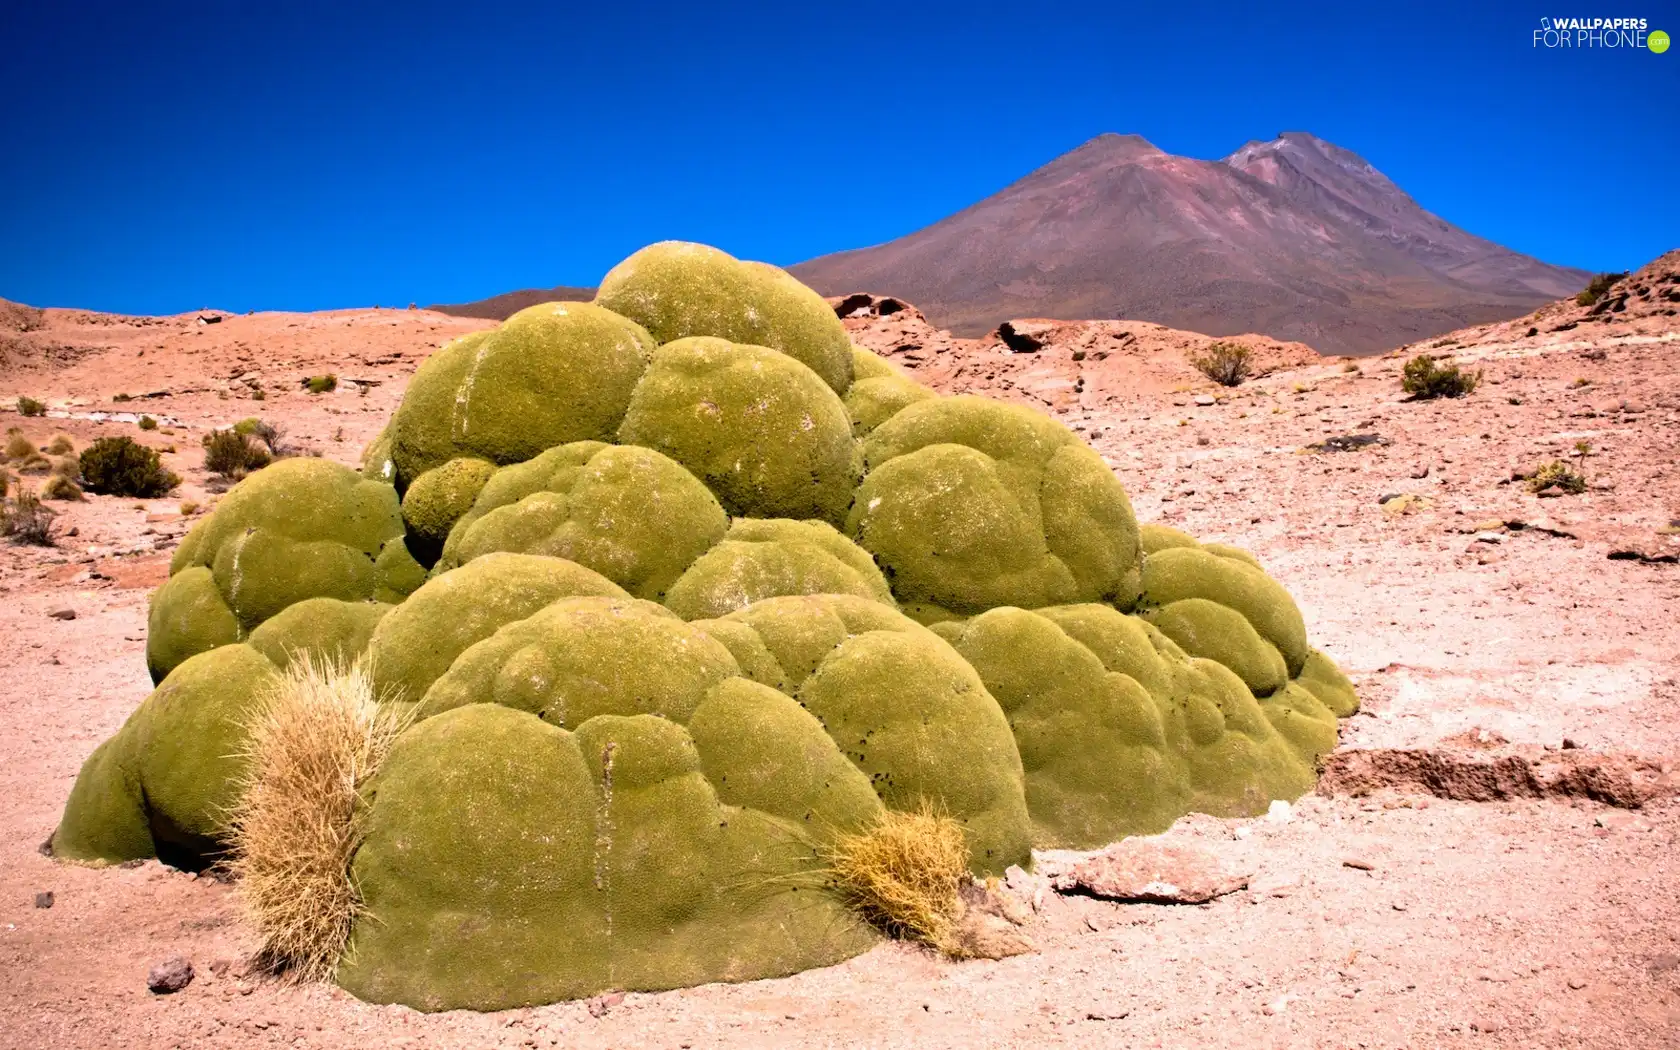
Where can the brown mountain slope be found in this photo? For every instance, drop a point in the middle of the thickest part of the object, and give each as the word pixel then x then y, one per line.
pixel 1295 238
pixel 501 307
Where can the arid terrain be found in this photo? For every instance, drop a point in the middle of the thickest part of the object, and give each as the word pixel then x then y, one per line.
pixel 1491 860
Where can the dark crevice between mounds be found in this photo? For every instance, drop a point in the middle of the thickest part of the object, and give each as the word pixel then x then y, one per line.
pixel 1624 781
pixel 183 850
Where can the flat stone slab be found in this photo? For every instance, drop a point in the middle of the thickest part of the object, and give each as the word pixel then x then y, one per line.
pixel 1146 872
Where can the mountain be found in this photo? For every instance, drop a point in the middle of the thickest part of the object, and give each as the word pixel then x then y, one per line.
pixel 1295 238
pixel 501 307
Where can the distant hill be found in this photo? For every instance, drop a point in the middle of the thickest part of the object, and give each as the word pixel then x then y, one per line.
pixel 1295 238
pixel 501 307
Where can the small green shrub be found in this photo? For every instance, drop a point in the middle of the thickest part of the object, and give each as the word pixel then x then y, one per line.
pixel 1425 378
pixel 232 454
pixel 321 384
pixel 1449 341
pixel 269 434
pixel 121 466
pixel 1558 473
pixel 1227 364
pixel 28 406
pixel 1595 289
pixel 26 520
pixel 120 398
pixel 147 423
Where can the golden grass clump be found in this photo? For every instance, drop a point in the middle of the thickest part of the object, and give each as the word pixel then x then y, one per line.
pixel 61 445
pixel 314 739
pixel 19 447
pixel 61 487
pixel 904 874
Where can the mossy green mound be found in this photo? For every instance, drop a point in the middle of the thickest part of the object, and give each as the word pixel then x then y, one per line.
pixel 1121 731
pixel 972 504
pixel 302 528
pixel 418 640
pixel 712 406
pixel 164 784
pixel 771 558
pixel 878 392
pixel 511 863
pixel 331 632
pixel 1179 573
pixel 676 289
pixel 551 374
pixel 902 705
pixel 583 657
pixel 920 601
pixel 631 514
pixel 376 462
pixel 438 498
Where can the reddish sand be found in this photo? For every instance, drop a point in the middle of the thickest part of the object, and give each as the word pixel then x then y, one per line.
pixel 1478 646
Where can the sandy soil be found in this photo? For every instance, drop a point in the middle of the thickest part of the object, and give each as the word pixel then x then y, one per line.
pixel 1514 921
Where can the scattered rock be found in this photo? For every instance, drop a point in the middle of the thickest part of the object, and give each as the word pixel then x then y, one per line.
pixel 993 898
pixel 1624 781
pixel 1119 1015
pixel 1576 984
pixel 1406 503
pixel 1550 492
pixel 1648 557
pixel 1664 963
pixel 1027 886
pixel 1205 400
pixel 169 976
pixel 601 1005
pixel 982 935
pixel 63 614
pixel 1150 872
pixel 1349 443
pixel 1358 864
pixel 44 899
pixel 1024 337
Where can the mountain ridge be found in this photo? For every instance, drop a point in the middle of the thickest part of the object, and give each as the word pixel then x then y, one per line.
pixel 1295 238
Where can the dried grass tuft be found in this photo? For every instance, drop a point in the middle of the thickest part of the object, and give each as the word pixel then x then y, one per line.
pixel 314 739
pixel 19 447
pixel 904 874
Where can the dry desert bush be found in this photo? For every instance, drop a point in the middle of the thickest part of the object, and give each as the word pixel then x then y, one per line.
pixel 1227 364
pixel 314 739
pixel 904 874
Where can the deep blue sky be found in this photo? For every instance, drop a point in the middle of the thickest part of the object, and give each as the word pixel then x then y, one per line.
pixel 302 155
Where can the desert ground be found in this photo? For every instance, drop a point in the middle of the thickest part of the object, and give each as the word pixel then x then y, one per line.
pixel 1492 858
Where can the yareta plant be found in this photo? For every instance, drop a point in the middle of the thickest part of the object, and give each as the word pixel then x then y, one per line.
pixel 677 595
